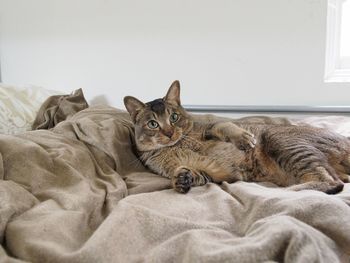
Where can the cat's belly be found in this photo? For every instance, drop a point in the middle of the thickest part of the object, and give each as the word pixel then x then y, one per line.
pixel 226 152
pixel 253 165
pixel 230 158
pixel 223 154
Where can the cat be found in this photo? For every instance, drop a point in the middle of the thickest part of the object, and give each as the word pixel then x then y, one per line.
pixel 174 144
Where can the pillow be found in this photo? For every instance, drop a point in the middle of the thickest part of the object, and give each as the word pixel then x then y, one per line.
pixel 19 106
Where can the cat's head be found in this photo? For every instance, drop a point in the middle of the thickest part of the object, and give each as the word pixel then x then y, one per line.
pixel 161 122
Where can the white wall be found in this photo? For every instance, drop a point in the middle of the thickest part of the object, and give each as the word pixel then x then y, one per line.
pixel 234 52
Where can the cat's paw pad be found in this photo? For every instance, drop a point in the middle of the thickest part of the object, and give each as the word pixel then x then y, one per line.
pixel 246 141
pixel 183 181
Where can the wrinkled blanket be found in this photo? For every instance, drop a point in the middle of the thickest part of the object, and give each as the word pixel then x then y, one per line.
pixel 77 193
pixel 58 108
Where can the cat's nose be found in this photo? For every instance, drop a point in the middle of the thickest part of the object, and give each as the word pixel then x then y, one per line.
pixel 168 133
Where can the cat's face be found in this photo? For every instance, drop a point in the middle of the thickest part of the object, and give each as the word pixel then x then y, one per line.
pixel 159 123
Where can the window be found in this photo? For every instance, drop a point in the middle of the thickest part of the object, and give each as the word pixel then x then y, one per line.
pixel 337 67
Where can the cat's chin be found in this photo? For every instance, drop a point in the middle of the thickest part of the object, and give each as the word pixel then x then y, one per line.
pixel 170 143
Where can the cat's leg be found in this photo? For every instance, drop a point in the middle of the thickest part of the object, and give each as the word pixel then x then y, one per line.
pixel 229 132
pixel 344 177
pixel 302 163
pixel 197 170
pixel 319 179
pixel 185 177
pixel 187 168
pixel 341 172
pixel 326 187
pixel 343 169
pixel 183 167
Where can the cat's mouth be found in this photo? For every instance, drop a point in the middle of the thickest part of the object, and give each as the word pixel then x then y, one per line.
pixel 167 143
pixel 171 142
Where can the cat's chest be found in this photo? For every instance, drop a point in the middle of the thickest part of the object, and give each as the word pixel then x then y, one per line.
pixel 190 143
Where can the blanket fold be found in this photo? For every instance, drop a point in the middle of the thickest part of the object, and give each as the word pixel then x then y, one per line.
pixel 78 193
pixel 57 108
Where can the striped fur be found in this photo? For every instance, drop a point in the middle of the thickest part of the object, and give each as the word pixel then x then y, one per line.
pixel 192 153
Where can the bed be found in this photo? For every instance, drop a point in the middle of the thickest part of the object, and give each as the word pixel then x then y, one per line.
pixel 73 190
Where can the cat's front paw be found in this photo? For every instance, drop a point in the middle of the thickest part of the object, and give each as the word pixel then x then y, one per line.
pixel 230 132
pixel 245 141
pixel 182 181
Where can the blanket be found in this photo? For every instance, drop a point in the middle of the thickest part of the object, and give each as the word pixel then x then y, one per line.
pixel 78 193
pixel 58 108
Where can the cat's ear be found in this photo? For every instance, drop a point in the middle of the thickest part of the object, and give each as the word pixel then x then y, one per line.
pixel 133 106
pixel 173 94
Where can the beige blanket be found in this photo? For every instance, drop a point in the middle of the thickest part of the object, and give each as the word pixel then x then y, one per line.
pixel 77 193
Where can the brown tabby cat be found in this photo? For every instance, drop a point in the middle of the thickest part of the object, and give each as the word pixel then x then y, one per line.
pixel 192 153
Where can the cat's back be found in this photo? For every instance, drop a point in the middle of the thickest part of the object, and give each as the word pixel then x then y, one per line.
pixel 305 132
pixel 289 137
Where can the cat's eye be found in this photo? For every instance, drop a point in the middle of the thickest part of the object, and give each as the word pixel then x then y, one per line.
pixel 152 124
pixel 174 117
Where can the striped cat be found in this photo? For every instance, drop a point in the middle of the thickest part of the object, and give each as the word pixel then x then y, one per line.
pixel 173 144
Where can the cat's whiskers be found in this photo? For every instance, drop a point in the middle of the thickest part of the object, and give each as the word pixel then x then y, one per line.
pixel 135 161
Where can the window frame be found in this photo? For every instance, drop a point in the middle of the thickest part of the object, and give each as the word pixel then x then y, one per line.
pixel 334 70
